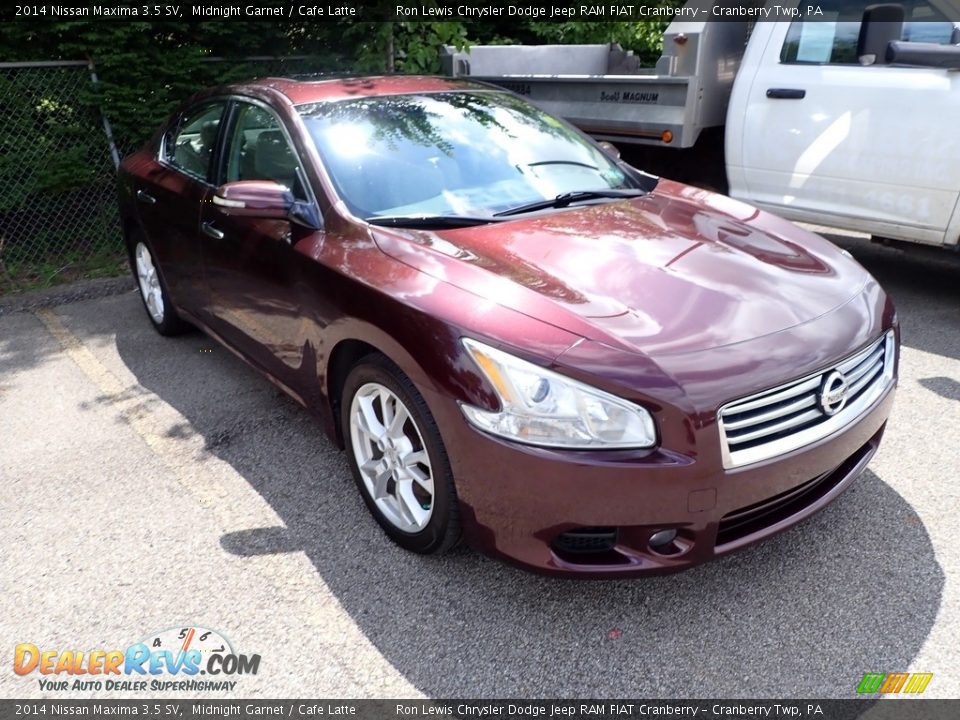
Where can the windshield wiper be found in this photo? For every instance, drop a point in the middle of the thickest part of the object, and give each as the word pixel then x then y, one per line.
pixel 564 199
pixel 429 221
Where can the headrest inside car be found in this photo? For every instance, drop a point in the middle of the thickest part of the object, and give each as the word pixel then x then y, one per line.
pixel 273 158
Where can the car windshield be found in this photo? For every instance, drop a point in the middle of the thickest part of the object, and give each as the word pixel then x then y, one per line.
pixel 453 154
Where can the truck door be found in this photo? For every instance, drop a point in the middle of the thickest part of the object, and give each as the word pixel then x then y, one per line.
pixel 814 135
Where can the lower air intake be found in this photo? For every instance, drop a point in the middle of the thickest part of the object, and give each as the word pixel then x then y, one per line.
pixel 586 541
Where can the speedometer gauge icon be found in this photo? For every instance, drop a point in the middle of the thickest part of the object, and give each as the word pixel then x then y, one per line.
pixel 186 638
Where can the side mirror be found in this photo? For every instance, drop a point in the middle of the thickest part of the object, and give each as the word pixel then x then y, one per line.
pixel 881 24
pixel 945 57
pixel 263 199
pixel 610 149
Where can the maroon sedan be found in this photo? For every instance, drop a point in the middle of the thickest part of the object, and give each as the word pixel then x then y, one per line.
pixel 517 338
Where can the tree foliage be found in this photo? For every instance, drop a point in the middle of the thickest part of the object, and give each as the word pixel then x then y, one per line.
pixel 53 154
pixel 145 68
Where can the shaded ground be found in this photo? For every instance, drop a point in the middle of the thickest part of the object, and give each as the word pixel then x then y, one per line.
pixel 150 483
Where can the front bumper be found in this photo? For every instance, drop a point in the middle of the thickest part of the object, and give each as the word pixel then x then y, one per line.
pixel 553 511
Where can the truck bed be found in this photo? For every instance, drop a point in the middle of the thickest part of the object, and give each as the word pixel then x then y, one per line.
pixel 604 90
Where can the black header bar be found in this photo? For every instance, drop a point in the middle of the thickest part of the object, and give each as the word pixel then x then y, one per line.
pixel 422 11
pixel 192 709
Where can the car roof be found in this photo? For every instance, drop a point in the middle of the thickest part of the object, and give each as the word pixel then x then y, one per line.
pixel 326 89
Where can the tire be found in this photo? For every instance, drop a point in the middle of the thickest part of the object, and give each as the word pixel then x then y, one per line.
pixel 153 291
pixel 390 461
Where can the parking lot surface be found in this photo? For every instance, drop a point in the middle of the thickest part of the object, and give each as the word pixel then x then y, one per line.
pixel 149 483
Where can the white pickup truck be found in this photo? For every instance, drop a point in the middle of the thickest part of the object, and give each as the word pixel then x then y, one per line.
pixel 848 118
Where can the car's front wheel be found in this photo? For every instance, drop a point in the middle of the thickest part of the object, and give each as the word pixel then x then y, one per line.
pixel 153 292
pixel 397 457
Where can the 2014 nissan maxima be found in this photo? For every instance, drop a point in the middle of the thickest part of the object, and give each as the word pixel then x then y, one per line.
pixel 518 339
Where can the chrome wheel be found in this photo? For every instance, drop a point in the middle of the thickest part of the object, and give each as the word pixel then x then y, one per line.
pixel 391 456
pixel 149 282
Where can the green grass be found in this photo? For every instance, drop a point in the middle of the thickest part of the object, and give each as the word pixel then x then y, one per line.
pixel 20 277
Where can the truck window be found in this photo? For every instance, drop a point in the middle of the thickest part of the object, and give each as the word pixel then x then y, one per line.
pixel 831 38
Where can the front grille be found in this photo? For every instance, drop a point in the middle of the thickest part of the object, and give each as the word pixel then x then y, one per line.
pixel 790 416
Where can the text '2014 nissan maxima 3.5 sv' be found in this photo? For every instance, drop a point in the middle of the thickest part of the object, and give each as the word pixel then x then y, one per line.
pixel 517 338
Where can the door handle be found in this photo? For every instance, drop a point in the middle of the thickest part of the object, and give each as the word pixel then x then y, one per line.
pixel 786 93
pixel 209 229
pixel 146 197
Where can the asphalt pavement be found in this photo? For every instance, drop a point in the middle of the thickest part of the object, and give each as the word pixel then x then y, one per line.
pixel 149 483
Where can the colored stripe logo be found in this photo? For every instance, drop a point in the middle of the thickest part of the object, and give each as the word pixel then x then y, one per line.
pixel 899 682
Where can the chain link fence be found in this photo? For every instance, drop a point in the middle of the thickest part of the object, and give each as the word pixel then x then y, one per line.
pixel 51 217
pixel 58 206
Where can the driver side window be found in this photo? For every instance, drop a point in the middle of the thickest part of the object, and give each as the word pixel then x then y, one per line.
pixel 831 38
pixel 259 150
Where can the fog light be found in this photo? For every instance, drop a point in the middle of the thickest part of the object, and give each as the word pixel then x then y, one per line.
pixel 662 538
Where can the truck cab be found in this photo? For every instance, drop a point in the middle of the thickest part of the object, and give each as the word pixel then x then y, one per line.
pixel 840 113
pixel 826 126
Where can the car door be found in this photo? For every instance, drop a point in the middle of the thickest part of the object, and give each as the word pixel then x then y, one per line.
pixel 252 269
pixel 170 193
pixel 827 139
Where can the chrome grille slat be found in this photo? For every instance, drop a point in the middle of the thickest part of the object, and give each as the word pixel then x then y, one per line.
pixel 860 368
pixel 781 419
pixel 804 402
pixel 849 364
pixel 862 381
pixel 790 392
pixel 776 427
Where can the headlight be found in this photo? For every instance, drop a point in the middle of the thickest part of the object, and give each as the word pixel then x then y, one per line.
pixel 540 407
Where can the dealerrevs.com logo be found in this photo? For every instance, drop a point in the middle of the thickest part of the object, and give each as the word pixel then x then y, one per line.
pixel 170 660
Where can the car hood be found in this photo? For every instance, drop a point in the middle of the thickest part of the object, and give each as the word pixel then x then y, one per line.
pixel 678 270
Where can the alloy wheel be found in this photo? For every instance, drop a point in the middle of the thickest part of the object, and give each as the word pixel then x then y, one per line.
pixel 149 282
pixel 392 458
